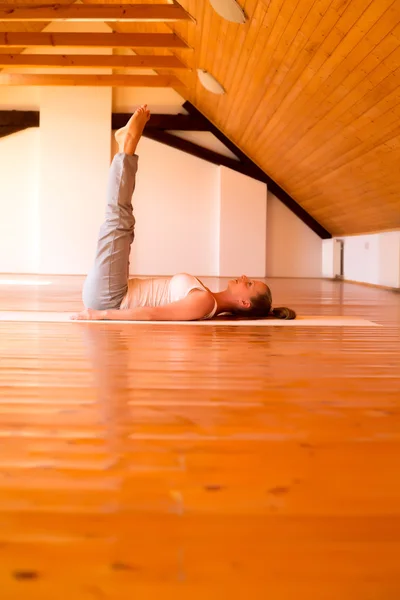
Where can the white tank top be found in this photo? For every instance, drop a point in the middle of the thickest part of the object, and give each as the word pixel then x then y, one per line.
pixel 159 291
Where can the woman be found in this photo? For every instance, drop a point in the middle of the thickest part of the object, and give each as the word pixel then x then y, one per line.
pixel 109 294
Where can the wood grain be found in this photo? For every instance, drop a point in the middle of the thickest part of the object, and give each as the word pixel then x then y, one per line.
pixel 313 90
pixel 95 12
pixel 90 80
pixel 93 61
pixel 91 40
pixel 312 98
pixel 175 462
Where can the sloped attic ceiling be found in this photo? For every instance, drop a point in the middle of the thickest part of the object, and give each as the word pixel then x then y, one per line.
pixel 313 90
pixel 312 97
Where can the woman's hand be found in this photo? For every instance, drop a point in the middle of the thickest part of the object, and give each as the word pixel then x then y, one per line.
pixel 89 314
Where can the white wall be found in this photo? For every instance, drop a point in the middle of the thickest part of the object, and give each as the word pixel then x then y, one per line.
pixel 159 100
pixel 389 259
pixel 191 215
pixel 183 205
pixel 19 223
pixel 293 249
pixel 373 258
pixel 176 209
pixel 331 258
pixel 65 168
pixel 243 225
pixel 52 183
pixel 328 250
pixel 74 157
pixel 19 97
pixel 206 140
pixel 58 203
pixel 62 191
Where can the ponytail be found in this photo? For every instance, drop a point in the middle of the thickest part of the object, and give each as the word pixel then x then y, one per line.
pixel 261 309
pixel 283 313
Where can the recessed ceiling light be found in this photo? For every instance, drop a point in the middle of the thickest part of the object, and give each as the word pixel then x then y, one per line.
pixel 229 10
pixel 209 82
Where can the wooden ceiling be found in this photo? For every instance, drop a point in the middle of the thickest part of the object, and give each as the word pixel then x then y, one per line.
pixel 312 96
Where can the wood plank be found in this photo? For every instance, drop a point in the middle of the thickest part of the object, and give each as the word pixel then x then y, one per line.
pixel 232 46
pixel 150 464
pixel 93 61
pixel 331 32
pixel 95 12
pixel 245 60
pixel 385 124
pixel 91 40
pixel 331 74
pixel 361 120
pixel 288 55
pixel 91 80
pixel 344 53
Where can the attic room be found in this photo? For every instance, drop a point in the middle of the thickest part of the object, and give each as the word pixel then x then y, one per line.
pixel 199 299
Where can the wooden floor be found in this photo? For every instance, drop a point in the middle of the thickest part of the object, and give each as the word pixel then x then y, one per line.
pixel 167 463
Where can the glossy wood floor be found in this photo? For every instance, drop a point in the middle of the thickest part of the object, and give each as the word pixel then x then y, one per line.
pixel 148 463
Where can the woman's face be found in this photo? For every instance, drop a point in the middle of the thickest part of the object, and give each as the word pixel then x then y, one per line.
pixel 243 288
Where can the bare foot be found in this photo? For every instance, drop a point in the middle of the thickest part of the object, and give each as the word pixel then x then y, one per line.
pixel 128 137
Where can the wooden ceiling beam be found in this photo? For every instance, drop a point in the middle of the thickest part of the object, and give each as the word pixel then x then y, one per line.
pixel 95 12
pixel 91 80
pixel 17 118
pixel 194 112
pixel 12 121
pixel 190 148
pixel 90 61
pixel 31 118
pixel 91 40
pixel 163 122
pixel 5 130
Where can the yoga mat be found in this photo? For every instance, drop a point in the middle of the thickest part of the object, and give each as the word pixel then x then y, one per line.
pixel 300 321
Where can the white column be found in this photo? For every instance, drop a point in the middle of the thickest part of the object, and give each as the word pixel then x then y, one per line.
pixel 75 152
pixel 389 259
pixel 331 258
pixel 242 224
pixel 75 125
pixel 293 249
pixel 19 238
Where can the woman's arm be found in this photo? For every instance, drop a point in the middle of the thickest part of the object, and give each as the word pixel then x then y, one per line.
pixel 195 306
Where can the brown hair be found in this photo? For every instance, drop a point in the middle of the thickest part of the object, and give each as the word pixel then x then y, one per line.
pixel 261 308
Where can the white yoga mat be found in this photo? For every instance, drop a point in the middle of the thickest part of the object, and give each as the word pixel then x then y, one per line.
pixel 300 321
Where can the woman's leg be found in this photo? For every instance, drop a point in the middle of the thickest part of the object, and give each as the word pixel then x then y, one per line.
pixel 107 281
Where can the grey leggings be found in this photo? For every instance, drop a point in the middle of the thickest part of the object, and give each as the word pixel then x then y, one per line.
pixel 107 281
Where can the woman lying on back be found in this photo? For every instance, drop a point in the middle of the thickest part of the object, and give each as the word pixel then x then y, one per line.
pixel 109 294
